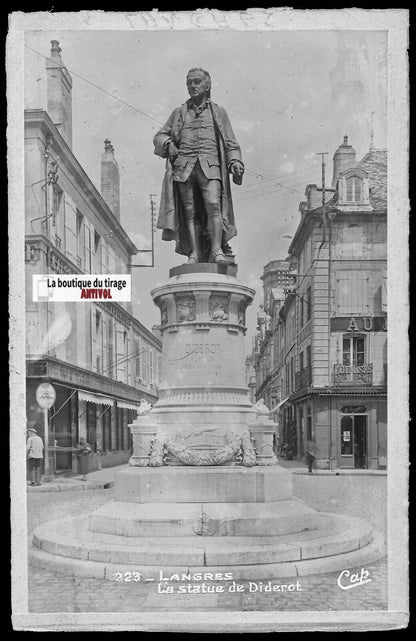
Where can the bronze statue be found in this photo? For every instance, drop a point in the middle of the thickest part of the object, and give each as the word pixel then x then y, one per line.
pixel 196 208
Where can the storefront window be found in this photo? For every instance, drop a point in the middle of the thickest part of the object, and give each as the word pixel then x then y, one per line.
pixel 119 429
pixel 106 421
pixel 92 425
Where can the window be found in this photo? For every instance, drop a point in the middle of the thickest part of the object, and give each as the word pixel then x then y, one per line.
pixel 144 365
pixel 354 189
pixel 71 241
pixel 128 357
pixel 301 310
pixel 120 353
pixel 106 421
pixel 98 342
pixel 301 361
pixel 308 304
pixel 292 375
pixel 308 356
pixel 110 349
pixel 119 429
pixel 351 292
pixel 159 369
pixel 97 253
pixel 92 425
pixel 80 240
pixel 309 423
pixel 137 372
pixel 353 350
pixel 151 379
pixel 57 215
pixel 346 435
pixel 104 258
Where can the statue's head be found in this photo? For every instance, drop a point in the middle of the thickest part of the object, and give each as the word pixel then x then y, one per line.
pixel 198 82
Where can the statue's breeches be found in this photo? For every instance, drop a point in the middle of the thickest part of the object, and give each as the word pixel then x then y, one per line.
pixel 210 191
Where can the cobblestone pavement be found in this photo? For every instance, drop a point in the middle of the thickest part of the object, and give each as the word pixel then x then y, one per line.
pixel 56 592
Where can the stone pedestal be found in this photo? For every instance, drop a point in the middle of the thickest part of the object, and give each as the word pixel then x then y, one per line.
pixel 203 415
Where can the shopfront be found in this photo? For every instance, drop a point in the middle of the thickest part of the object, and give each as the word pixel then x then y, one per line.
pixel 350 432
pixel 354 439
pixel 101 419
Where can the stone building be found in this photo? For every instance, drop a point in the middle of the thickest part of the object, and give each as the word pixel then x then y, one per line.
pixel 100 359
pixel 329 337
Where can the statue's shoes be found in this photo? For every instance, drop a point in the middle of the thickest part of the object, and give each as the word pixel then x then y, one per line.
pixel 219 257
pixel 193 258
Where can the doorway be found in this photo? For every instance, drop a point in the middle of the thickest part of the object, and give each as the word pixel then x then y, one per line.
pixel 354 441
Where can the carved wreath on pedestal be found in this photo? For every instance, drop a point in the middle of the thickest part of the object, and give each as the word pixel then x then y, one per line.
pixel 239 449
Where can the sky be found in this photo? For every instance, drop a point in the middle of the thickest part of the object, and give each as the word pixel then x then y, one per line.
pixel 289 95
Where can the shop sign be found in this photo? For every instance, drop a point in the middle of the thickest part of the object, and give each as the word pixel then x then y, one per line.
pixel 359 324
pixel 45 395
pixel 346 436
pixel 353 409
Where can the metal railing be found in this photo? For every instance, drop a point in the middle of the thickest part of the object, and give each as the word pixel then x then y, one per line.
pixel 303 378
pixel 353 374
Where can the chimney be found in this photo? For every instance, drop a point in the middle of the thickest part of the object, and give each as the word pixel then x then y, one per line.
pixel 110 178
pixel 344 158
pixel 59 93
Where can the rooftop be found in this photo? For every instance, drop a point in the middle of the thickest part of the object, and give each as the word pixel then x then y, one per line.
pixel 375 164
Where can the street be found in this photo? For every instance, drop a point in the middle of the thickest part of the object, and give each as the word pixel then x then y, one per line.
pixel 56 592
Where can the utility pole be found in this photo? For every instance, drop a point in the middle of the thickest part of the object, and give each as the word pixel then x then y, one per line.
pixel 324 220
pixel 152 230
pixel 153 221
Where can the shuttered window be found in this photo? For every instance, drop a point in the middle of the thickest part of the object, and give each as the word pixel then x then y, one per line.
pixel 384 291
pixel 110 349
pixel 70 229
pixel 351 292
pixel 144 361
pixel 159 369
pixel 137 371
pixel 120 354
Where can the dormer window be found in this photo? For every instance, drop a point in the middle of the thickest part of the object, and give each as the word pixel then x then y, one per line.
pixel 354 189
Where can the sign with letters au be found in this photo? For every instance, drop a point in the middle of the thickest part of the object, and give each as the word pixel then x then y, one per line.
pixel 359 324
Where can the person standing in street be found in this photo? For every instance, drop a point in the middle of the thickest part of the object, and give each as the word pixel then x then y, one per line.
pixel 310 453
pixel 34 454
pixel 83 454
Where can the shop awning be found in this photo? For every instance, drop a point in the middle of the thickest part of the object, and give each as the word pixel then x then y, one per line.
pixel 128 405
pixel 95 398
pixel 279 405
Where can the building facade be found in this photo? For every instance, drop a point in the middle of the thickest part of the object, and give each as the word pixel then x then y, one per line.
pixel 100 359
pixel 330 334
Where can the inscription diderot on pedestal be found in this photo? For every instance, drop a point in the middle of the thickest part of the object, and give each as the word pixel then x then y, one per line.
pixel 202 358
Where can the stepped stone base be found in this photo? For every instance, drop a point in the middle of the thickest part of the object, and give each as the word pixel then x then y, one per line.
pixel 254 529
pixel 210 484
